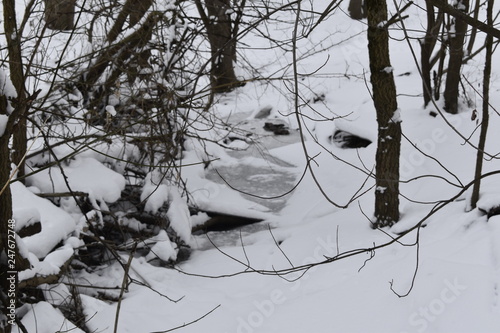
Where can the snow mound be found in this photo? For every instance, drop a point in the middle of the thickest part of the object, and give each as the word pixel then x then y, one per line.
pixel 178 215
pixel 25 217
pixel 51 265
pixel 154 193
pixel 43 318
pixel 163 249
pixel 56 223
pixel 83 174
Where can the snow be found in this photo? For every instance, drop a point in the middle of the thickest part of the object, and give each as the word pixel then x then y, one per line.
pixel 154 193
pixel 43 318
pixel 3 123
pixel 7 89
pixel 110 109
pixel 85 175
pixel 50 265
pixel 178 215
pixel 56 223
pixel 388 69
pixel 163 248
pixel 25 217
pixel 396 117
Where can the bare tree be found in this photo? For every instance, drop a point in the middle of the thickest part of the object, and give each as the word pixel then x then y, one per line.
pixel 457 33
pixel 389 127
pixel 427 45
pixel 13 107
pixel 486 116
pixel 17 76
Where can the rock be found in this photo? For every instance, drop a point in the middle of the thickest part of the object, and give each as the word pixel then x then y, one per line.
pixel 277 129
pixel 343 139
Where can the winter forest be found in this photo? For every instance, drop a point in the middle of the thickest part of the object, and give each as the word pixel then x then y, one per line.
pixel 249 166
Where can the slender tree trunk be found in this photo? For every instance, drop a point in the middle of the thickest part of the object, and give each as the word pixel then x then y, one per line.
pixel 389 127
pixel 5 215
pixel 17 77
pixel 473 32
pixel 427 46
pixel 438 75
pixel 486 115
pixel 457 33
pixel 217 21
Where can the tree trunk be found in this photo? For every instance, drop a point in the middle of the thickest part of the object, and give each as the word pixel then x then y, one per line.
pixel 486 115
pixel 456 42
pixel 389 127
pixel 17 262
pixel 5 215
pixel 357 9
pixel 473 32
pixel 427 46
pixel 17 77
pixel 60 14
pixel 220 32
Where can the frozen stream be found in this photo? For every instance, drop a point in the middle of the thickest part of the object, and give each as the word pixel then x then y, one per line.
pixel 260 174
pixel 266 183
pixel 261 183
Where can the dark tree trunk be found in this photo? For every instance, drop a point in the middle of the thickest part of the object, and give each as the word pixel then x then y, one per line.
pixel 357 9
pixel 438 75
pixel 427 46
pixel 389 127
pixel 60 14
pixel 17 262
pixel 473 32
pixel 486 115
pixel 17 77
pixel 5 216
pixel 456 44
pixel 221 34
pixel 20 145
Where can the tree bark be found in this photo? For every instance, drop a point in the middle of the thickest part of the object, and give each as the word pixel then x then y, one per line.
pixel 60 14
pixel 473 32
pixel 5 216
pixel 17 77
pixel 427 46
pixel 486 116
pixel 389 127
pixel 456 38
pixel 357 9
pixel 222 39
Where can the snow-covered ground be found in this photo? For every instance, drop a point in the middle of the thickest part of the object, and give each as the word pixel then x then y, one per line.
pixel 443 277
